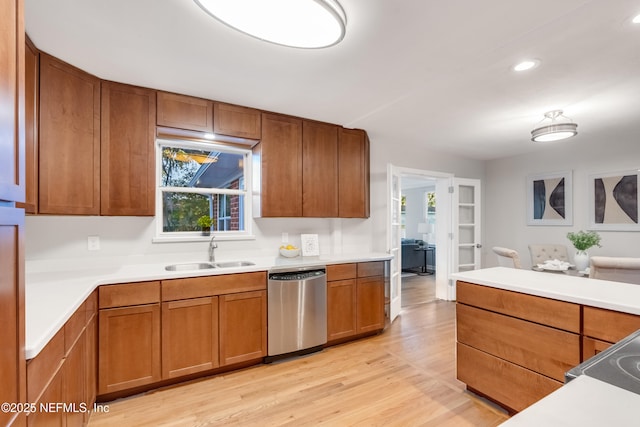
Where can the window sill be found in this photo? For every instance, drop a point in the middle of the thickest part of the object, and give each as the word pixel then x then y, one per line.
pixel 200 238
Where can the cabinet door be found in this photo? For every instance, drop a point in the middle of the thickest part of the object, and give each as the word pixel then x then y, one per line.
pixel 353 174
pixel 32 64
pixel 320 166
pixel 12 105
pixel 54 393
pixel 75 381
pixel 69 139
pixel 128 163
pixel 341 309
pixel 237 121
pixel 243 327
pixel 91 363
pixel 370 305
pixel 189 336
pixel 185 112
pixel 12 363
pixel 280 153
pixel 128 347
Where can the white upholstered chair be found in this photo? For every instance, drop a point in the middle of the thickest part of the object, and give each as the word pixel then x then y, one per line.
pixel 507 257
pixel 542 253
pixel 617 269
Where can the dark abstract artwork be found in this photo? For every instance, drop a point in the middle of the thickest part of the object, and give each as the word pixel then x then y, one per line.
pixel 615 200
pixel 549 199
pixel 553 206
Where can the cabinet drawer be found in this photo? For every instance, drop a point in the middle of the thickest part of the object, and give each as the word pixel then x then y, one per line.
pixel 74 327
pixel 591 347
pixel 129 294
pixel 366 269
pixel 607 325
pixel 557 314
pixel 341 272
pixel 196 287
pixel 510 385
pixel 545 350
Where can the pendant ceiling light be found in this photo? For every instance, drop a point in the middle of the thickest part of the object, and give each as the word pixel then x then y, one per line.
pixel 296 23
pixel 554 127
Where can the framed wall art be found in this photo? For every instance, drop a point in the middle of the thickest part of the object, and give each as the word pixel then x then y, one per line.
pixel 613 201
pixel 549 199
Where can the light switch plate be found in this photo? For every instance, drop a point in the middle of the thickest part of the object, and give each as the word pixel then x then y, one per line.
pixel 93 243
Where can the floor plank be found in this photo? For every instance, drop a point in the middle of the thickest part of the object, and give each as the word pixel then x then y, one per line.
pixel 404 376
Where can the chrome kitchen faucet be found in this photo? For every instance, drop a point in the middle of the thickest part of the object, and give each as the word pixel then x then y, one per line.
pixel 212 247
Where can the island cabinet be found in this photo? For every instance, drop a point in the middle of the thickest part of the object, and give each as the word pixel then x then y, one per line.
pixel 602 328
pixel 514 348
pixel 128 336
pixel 127 183
pixel 64 373
pixel 184 112
pixel 69 139
pixel 355 300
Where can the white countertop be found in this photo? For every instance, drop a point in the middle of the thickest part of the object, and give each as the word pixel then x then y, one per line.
pixel 584 402
pixel 623 297
pixel 53 296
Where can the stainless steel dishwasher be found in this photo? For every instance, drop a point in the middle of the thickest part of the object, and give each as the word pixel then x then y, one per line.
pixel 297 311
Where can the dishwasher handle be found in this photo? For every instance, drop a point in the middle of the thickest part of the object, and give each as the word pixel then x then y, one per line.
pixel 297 275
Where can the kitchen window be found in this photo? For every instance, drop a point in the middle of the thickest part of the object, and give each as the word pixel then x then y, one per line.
pixel 198 179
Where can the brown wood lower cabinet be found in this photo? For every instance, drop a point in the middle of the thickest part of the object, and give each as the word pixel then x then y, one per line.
pixel 355 299
pixel 129 347
pixel 511 385
pixel 243 327
pixel 514 348
pixel 189 336
pixel 64 373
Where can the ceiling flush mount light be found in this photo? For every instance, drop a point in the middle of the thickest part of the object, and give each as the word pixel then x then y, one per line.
pixel 296 23
pixel 636 19
pixel 526 65
pixel 554 127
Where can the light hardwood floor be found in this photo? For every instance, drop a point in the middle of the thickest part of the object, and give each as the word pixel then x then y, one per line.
pixel 404 376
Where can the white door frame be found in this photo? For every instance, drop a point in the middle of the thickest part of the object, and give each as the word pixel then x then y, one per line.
pixel 444 251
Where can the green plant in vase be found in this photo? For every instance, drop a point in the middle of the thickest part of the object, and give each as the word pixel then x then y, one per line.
pixel 582 241
pixel 205 223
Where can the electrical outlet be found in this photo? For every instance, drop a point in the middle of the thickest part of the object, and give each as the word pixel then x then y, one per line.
pixel 285 237
pixel 93 243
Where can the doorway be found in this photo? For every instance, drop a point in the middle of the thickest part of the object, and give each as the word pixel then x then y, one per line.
pixel 409 220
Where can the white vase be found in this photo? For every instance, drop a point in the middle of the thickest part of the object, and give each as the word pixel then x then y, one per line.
pixel 581 259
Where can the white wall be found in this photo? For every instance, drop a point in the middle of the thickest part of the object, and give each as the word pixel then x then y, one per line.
pixel 128 239
pixel 505 194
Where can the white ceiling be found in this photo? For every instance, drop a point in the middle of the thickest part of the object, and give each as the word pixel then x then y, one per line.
pixel 434 74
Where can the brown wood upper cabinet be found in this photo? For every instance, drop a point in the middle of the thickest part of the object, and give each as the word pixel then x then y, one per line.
pixel 237 121
pixel 32 65
pixel 128 138
pixel 311 169
pixel 320 169
pixel 69 141
pixel 185 112
pixel 353 173
pixel 280 169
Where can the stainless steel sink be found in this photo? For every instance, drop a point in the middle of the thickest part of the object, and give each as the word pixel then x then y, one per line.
pixel 230 264
pixel 190 266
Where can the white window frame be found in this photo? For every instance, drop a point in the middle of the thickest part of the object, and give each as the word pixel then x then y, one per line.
pixel 196 236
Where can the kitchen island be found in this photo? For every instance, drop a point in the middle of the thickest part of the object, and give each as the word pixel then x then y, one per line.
pixel 519 331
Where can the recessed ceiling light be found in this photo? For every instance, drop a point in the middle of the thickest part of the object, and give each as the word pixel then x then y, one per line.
pixel 526 65
pixel 296 23
pixel 636 20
